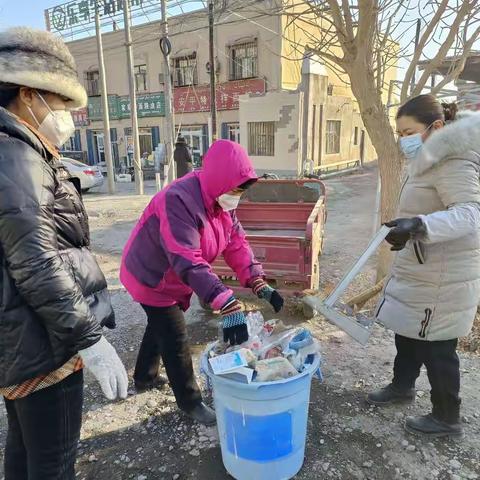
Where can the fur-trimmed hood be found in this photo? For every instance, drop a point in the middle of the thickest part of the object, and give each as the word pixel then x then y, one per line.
pixel 40 60
pixel 457 138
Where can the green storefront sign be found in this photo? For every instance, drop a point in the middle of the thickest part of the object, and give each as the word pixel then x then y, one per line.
pixel 149 105
pixel 95 110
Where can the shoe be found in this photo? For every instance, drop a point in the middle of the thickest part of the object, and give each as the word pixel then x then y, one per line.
pixel 391 395
pixel 429 426
pixel 159 383
pixel 203 414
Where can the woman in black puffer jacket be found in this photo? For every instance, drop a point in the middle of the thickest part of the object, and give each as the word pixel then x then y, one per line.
pixel 54 298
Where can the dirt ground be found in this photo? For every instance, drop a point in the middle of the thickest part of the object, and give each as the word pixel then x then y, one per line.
pixel 146 438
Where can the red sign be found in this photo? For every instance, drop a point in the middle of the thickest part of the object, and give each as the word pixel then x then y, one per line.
pixel 80 117
pixel 197 98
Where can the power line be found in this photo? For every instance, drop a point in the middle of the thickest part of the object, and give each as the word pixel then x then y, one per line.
pixel 151 36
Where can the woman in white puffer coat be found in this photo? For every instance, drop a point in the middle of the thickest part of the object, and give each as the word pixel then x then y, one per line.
pixel 431 296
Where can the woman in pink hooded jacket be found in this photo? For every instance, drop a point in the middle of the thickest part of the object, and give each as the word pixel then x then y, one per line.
pixel 168 257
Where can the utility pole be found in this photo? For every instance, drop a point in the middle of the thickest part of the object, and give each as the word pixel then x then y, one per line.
pixel 107 142
pixel 213 100
pixel 133 101
pixel 166 48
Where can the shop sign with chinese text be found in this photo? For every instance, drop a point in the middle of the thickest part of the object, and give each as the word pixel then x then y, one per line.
pixel 80 117
pixel 149 105
pixel 197 98
pixel 81 13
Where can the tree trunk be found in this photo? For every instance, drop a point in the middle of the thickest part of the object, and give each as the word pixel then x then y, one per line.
pixel 377 124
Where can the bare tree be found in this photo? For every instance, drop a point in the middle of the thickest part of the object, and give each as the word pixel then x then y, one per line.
pixel 364 38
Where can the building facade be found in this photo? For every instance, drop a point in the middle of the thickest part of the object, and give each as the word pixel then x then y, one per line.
pixel 252 72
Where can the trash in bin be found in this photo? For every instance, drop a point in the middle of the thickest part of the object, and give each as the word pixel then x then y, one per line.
pixel 234 365
pixel 272 369
pixel 272 352
pixel 300 348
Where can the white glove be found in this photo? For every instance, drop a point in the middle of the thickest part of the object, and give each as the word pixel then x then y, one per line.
pixel 104 363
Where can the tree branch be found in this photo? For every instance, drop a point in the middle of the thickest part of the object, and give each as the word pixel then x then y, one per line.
pixel 367 27
pixel 424 38
pixel 444 49
pixel 348 20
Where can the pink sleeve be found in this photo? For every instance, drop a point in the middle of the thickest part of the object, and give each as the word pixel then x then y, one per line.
pixel 239 255
pixel 180 238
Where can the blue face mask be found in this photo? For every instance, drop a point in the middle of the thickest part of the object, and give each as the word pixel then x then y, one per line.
pixel 411 145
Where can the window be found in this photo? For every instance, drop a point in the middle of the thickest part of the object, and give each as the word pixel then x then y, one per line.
pixel 330 90
pixel 145 142
pixel 355 136
pixel 69 145
pixel 261 139
pixel 73 144
pixel 92 80
pixel 243 61
pixel 233 132
pixel 185 71
pixel 140 78
pixel 333 137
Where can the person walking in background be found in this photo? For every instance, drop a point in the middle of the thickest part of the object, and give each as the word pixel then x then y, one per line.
pixel 182 157
pixel 431 296
pixel 169 256
pixel 54 295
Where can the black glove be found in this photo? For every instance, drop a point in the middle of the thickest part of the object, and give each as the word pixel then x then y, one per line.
pixel 263 290
pixel 403 230
pixel 235 335
pixel 276 301
pixel 235 329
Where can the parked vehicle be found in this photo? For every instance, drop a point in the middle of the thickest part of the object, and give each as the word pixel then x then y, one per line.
pixel 89 176
pixel 102 166
pixel 284 221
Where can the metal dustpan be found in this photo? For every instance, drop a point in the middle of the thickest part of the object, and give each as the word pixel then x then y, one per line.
pixel 359 326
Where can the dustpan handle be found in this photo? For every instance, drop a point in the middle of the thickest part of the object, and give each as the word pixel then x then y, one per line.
pixel 357 267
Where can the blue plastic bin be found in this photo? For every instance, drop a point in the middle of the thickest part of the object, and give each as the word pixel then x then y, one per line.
pixel 262 426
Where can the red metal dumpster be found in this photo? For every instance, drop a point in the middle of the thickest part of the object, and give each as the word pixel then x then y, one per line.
pixel 284 221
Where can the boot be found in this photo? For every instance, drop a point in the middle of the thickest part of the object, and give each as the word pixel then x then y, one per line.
pixel 158 382
pixel 203 414
pixel 391 395
pixel 429 426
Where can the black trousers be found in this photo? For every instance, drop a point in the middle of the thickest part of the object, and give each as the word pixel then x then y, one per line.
pixel 43 432
pixel 166 338
pixel 443 370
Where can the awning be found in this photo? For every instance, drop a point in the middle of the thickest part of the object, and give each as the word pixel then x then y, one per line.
pixel 184 52
pixel 241 40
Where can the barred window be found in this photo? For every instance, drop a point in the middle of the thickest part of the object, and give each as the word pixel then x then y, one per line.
pixel 185 71
pixel 333 136
pixel 92 80
pixel 140 78
pixel 243 61
pixel 261 139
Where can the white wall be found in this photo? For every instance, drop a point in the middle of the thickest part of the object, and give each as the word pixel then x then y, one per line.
pixel 285 108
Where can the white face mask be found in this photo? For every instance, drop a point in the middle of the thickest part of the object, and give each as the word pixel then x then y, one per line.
pixel 57 126
pixel 228 202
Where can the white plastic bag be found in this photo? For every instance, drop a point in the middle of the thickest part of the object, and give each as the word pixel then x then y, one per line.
pixel 279 340
pixel 255 323
pixel 273 369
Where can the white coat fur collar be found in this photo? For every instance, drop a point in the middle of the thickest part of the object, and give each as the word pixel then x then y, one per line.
pixel 456 138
